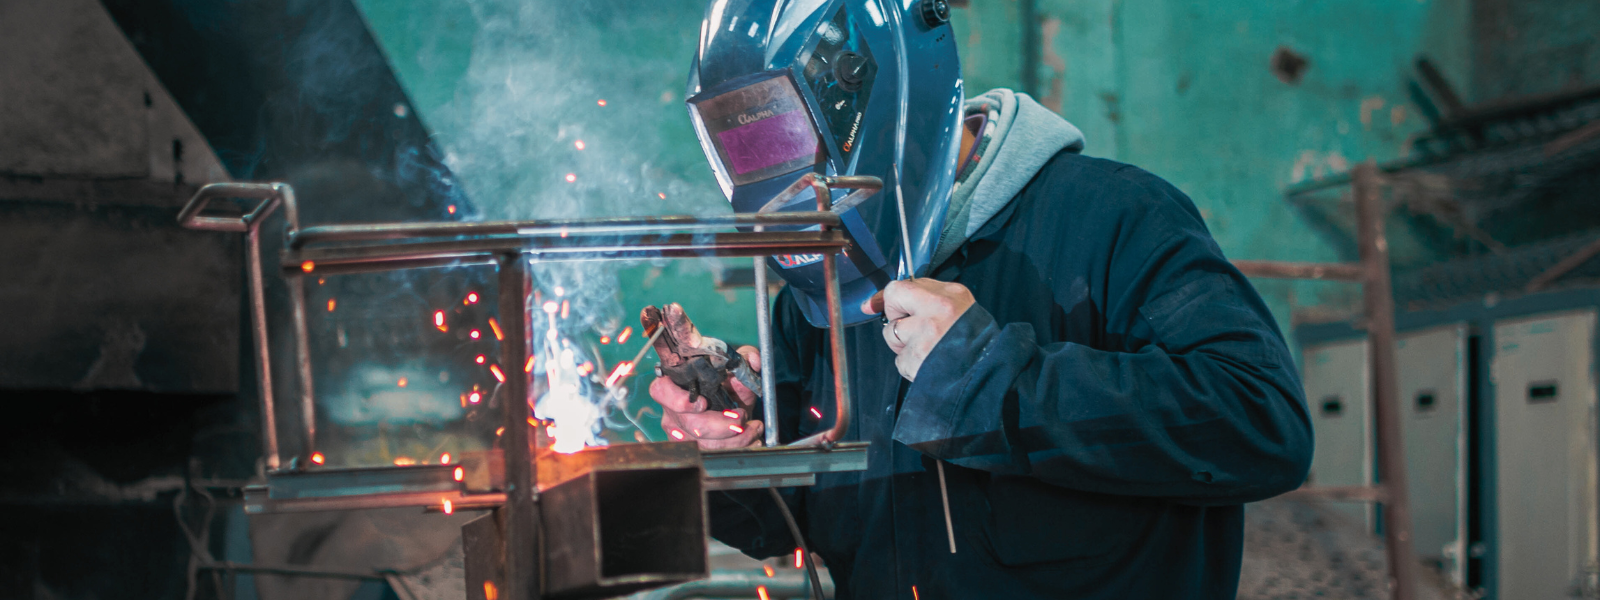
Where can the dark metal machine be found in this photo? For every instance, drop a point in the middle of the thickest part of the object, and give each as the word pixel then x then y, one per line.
pixel 600 522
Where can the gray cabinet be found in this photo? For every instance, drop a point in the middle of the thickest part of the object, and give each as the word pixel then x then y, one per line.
pixel 1544 432
pixel 1432 373
pixel 1337 387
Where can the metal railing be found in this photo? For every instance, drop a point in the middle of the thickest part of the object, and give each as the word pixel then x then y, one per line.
pixel 1378 299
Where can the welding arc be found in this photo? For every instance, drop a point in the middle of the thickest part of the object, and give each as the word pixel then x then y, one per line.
pixel 794 530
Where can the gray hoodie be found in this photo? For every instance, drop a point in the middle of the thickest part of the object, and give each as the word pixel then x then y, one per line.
pixel 1026 135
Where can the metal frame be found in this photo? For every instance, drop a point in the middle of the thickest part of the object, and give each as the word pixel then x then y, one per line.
pixel 1373 274
pixel 391 246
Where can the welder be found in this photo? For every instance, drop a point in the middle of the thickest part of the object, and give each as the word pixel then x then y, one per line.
pixel 1069 393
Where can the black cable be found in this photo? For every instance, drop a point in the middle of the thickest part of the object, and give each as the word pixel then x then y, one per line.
pixel 794 530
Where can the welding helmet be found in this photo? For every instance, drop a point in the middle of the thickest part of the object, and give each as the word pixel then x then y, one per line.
pixel 782 88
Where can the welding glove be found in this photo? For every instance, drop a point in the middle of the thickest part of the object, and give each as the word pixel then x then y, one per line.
pixel 687 415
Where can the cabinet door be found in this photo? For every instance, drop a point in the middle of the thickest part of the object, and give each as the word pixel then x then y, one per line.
pixel 1432 388
pixel 1341 420
pixel 1544 394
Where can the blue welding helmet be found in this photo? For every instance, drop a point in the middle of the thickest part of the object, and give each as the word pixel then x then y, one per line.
pixel 781 88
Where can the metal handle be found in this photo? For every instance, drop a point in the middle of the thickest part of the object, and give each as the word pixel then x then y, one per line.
pixel 271 194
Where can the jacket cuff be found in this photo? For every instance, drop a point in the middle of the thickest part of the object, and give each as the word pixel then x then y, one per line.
pixel 928 416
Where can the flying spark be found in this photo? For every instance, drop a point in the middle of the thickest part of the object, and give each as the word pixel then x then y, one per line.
pixel 444 459
pixel 497 374
pixel 578 144
pixel 761 591
pixel 661 195
pixel 622 338
pixel 474 334
pixel 571 177
pixel 799 558
pixel 561 291
pixel 448 508
pixel 472 298
pixel 730 414
pixel 460 473
pixel 318 458
pixel 602 102
pixel 332 303
pixel 550 307
pixel 490 592
pixel 736 428
pixel 565 309
pixel 451 208
pixel 474 397
pixel 495 327
pixel 768 569
pixel 816 413
pixel 404 462
pixel 308 266
pixel 528 368
pixel 480 359
pixel 677 435
pixel 402 382
pixel 605 339
pixel 438 320
pixel 622 370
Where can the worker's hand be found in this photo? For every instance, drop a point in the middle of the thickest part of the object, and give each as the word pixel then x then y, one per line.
pixel 919 311
pixel 686 418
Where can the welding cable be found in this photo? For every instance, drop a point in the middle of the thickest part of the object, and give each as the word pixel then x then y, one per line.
pixel 794 530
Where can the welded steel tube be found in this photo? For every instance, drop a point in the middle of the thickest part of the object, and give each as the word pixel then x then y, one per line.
pixel 769 385
pixel 302 361
pixel 680 245
pixel 1379 301
pixel 560 228
pixel 1273 269
pixel 521 533
pixel 841 359
pixel 258 328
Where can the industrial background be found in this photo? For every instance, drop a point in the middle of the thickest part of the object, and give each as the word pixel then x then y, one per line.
pixel 128 365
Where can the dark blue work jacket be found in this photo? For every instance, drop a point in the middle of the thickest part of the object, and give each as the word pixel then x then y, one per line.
pixel 1115 396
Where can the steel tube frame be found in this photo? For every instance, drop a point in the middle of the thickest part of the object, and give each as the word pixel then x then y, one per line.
pixel 560 228
pixel 1379 301
pixel 1378 304
pixel 271 195
pixel 521 532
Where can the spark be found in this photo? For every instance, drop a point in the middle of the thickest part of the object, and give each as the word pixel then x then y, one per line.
pixel 550 307
pixel 761 591
pixel 602 102
pixel 571 177
pixel 460 474
pixel 402 382
pixel 661 195
pixel 474 397
pixel 474 334
pixel 605 339
pixel 914 595
pixel 799 558
pixel 444 459
pixel 480 358
pixel 438 320
pixel 768 569
pixel 579 144
pixel 677 435
pixel 565 309
pixel 404 462
pixel 497 374
pixel 472 298
pixel 816 413
pixel 561 291
pixel 332 302
pixel 490 592
pixel 563 231
pixel 622 370
pixel 495 327
pixel 528 368
pixel 318 458
pixel 451 208
pixel 322 280
pixel 586 368
pixel 736 428
pixel 730 414
pixel 448 508
pixel 308 266
pixel 622 338
pixel 499 430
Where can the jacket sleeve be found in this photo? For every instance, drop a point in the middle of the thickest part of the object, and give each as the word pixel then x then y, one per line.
pixel 1208 411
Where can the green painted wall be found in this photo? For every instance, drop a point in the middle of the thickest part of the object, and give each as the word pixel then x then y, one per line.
pixel 1184 90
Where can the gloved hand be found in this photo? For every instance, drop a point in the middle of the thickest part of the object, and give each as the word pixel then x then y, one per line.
pixel 690 418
